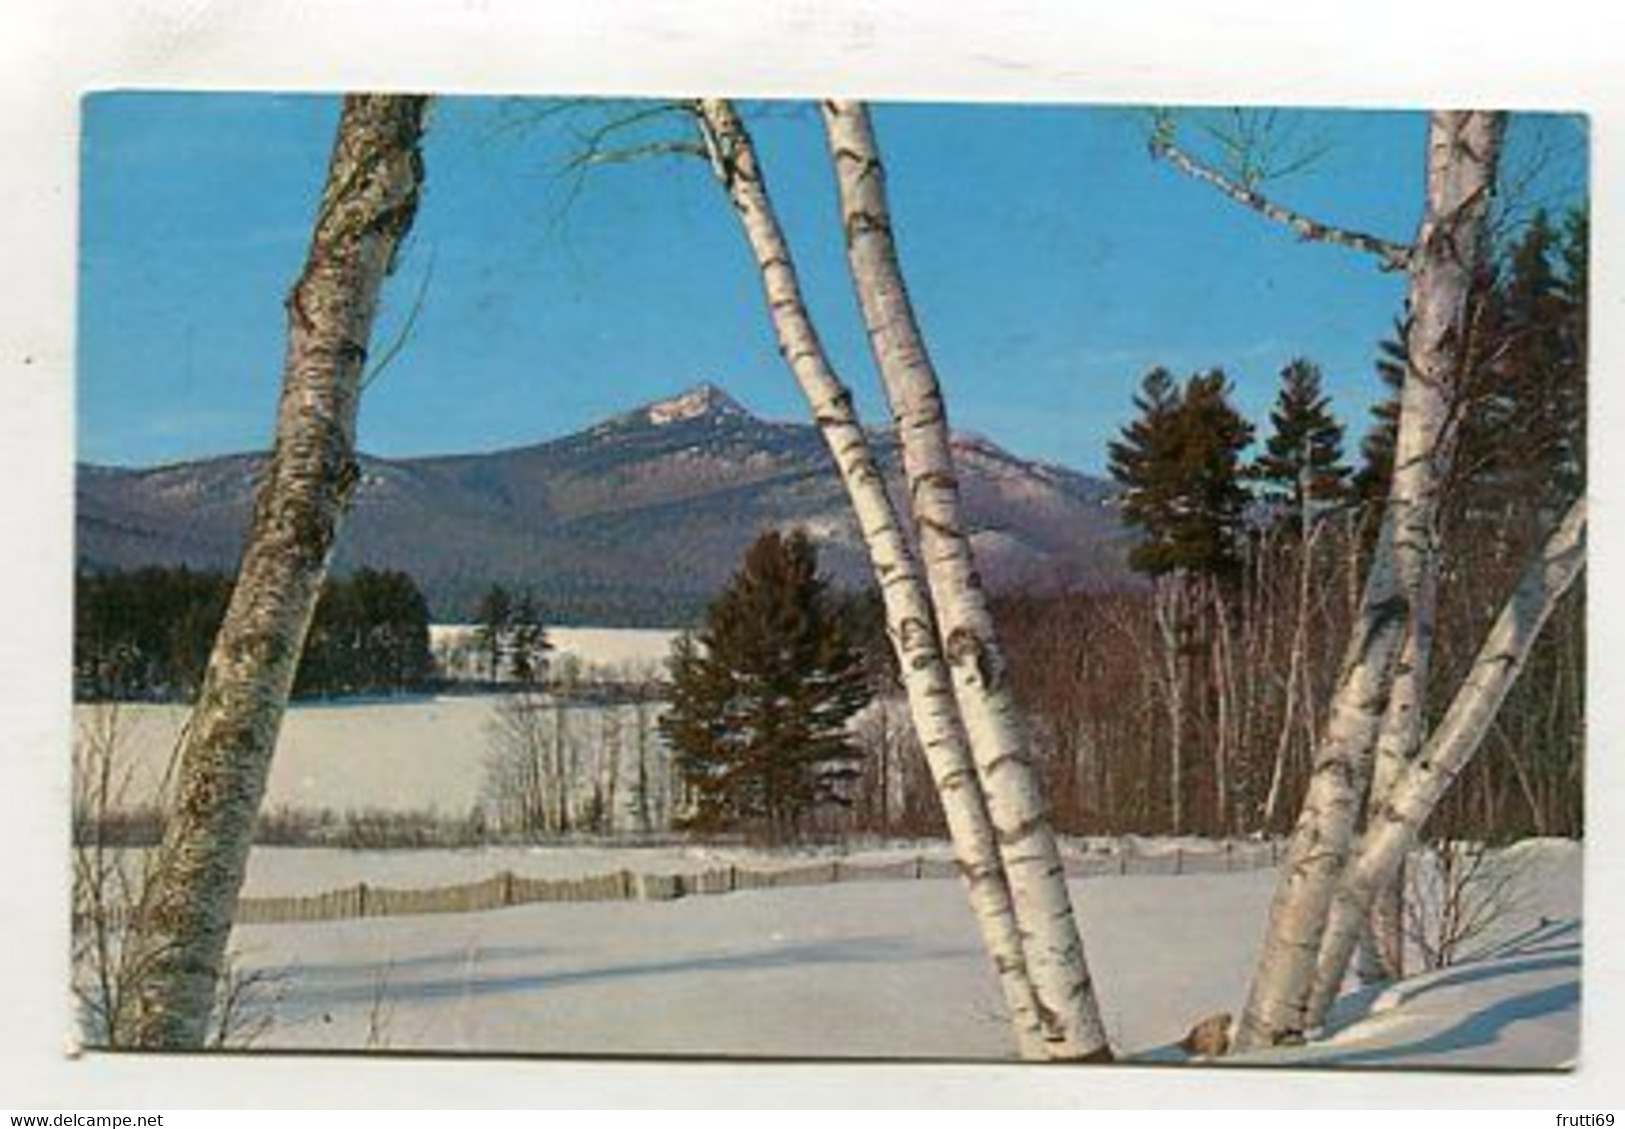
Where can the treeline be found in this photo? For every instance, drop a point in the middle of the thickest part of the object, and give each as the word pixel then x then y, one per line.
pixel 1192 703
pixel 146 634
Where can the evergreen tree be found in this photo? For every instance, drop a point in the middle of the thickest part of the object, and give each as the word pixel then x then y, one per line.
pixel 492 619
pixel 1302 467
pixel 1523 430
pixel 1180 466
pixel 528 644
pixel 1522 436
pixel 761 697
pixel 1377 447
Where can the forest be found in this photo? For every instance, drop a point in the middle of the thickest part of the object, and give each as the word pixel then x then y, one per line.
pixel 144 635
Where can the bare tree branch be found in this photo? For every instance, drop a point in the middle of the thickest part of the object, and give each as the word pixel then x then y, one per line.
pixel 1393 256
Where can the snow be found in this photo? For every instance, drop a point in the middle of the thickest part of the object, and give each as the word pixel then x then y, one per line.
pixel 622 652
pixel 279 871
pixel 414 754
pixel 861 970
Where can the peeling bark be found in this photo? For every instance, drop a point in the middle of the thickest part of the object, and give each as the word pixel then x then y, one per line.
pixel 1068 1011
pixel 909 615
pixel 367 207
pixel 1395 826
pixel 1462 157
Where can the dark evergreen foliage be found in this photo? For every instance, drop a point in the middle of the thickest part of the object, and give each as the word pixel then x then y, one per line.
pixel 370 635
pixel 147 634
pixel 1180 466
pixel 492 620
pixel 1301 471
pixel 511 638
pixel 761 697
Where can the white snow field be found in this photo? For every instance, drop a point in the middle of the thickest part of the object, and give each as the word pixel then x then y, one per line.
pixel 883 970
pixel 407 754
pixel 404 754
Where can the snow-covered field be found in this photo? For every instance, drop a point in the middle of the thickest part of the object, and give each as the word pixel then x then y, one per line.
pixel 867 970
pixel 419 754
pixel 407 754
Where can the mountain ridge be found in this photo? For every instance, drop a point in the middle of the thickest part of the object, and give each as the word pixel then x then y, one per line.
pixel 635 520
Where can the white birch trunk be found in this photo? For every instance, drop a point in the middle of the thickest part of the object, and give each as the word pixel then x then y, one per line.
pixel 909 616
pixel 367 207
pixel 1394 827
pixel 1463 152
pixel 1397 742
pixel 1056 965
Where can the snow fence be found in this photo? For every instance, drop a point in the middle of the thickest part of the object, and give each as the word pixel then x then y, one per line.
pixel 510 889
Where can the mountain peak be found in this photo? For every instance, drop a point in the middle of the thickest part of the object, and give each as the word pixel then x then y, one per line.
pixel 704 399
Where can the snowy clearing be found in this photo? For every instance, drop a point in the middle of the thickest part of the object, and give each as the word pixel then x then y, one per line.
pixel 874 970
pixel 406 754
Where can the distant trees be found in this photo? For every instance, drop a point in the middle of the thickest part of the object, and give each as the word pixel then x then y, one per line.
pixel 146 634
pixel 370 635
pixel 761 696
pixel 510 637
pixel 491 620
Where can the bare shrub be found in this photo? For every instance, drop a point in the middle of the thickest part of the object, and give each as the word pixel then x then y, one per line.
pixel 1457 895
pixel 116 832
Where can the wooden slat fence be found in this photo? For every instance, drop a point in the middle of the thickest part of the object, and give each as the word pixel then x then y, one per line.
pixel 510 889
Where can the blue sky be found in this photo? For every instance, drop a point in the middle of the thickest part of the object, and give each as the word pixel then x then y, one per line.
pixel 1052 262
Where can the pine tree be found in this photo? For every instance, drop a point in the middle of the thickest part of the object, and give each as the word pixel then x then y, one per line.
pixel 1143 461
pixel 492 619
pixel 1523 429
pixel 1377 447
pixel 528 644
pixel 1302 467
pixel 1180 466
pixel 761 697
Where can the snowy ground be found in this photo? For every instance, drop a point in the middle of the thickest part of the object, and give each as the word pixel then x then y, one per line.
pixel 408 754
pixel 870 970
pixel 418 754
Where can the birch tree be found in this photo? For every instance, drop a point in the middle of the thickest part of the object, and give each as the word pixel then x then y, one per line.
pixel 1397 824
pixel 909 614
pixel 1398 739
pixel 1462 156
pixel 1056 964
pixel 367 207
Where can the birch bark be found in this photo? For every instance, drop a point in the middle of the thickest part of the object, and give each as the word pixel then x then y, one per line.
pixel 1397 742
pixel 1462 157
pixel 909 616
pixel 1394 827
pixel 367 207
pixel 1059 972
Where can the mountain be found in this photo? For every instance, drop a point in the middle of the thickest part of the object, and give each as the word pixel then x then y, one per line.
pixel 637 520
